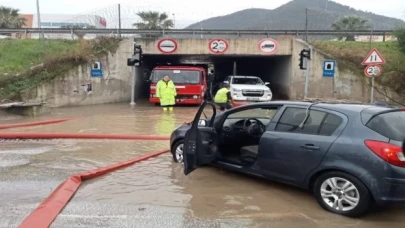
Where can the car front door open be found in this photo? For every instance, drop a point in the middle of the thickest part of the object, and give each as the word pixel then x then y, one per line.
pixel 200 143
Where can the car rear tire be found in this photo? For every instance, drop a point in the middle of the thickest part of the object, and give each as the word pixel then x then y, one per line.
pixel 342 193
pixel 177 151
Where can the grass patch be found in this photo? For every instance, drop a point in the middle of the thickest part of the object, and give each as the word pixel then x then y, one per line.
pixel 59 58
pixel 17 56
pixel 353 53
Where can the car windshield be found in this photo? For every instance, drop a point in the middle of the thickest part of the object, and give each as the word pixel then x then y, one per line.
pixel 390 125
pixel 247 81
pixel 177 76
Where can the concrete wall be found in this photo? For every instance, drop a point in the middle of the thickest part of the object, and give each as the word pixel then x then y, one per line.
pixel 237 46
pixel 345 85
pixel 67 89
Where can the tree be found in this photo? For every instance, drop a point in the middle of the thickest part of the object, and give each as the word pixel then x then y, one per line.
pixel 79 34
pixel 154 20
pixel 10 18
pixel 350 23
pixel 400 35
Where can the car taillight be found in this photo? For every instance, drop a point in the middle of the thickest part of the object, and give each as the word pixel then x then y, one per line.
pixel 391 153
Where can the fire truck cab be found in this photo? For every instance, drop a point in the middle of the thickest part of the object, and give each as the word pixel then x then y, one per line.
pixel 190 82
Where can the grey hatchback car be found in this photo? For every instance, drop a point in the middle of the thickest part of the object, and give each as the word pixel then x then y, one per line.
pixel 348 155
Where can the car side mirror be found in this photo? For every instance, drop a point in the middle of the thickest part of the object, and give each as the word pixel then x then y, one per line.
pixel 267 83
pixel 202 123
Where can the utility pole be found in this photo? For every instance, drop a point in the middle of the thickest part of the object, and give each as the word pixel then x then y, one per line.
pixel 119 20
pixel 174 21
pixel 134 69
pixel 40 35
pixel 306 24
pixel 307 72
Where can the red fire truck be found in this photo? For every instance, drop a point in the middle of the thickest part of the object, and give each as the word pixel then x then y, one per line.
pixel 190 82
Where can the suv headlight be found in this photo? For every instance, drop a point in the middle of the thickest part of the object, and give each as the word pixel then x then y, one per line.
pixel 236 90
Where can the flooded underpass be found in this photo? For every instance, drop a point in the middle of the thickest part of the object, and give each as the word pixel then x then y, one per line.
pixel 153 193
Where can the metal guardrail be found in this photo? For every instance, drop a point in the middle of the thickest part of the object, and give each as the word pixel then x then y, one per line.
pixel 197 32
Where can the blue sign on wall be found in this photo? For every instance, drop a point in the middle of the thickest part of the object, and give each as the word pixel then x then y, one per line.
pixel 329 68
pixel 96 69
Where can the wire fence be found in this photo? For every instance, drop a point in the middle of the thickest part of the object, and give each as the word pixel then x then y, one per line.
pixel 119 20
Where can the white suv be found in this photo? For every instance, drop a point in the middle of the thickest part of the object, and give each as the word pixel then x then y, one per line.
pixel 248 88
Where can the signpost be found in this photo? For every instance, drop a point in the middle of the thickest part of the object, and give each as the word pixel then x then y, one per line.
pixel 218 46
pixel 167 46
pixel 96 69
pixel 329 68
pixel 373 69
pixel 268 46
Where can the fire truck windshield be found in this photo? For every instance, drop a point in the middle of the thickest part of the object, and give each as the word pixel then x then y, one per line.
pixel 177 76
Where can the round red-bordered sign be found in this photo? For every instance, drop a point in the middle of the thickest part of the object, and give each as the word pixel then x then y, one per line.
pixel 268 46
pixel 167 45
pixel 373 70
pixel 218 46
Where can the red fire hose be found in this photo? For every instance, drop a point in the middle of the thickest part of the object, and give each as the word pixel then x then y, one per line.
pixel 51 135
pixel 29 124
pixel 48 210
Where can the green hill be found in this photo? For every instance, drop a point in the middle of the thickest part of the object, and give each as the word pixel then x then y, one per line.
pixel 321 14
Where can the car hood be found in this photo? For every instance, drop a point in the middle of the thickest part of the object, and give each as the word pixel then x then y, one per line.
pixel 261 87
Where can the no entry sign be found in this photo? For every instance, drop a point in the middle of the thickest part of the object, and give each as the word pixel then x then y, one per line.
pixel 167 46
pixel 218 46
pixel 268 46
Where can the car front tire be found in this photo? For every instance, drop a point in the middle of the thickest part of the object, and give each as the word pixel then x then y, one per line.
pixel 177 151
pixel 343 194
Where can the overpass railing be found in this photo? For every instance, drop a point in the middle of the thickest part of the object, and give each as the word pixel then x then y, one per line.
pixel 198 32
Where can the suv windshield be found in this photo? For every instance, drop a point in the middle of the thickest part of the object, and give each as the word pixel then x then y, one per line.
pixel 390 125
pixel 247 81
pixel 177 76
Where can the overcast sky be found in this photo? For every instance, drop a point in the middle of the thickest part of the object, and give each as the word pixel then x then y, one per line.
pixel 185 11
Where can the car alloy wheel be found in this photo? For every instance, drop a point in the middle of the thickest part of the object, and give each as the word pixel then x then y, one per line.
pixel 340 194
pixel 178 153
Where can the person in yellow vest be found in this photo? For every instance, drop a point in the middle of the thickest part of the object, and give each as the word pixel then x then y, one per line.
pixel 223 98
pixel 166 92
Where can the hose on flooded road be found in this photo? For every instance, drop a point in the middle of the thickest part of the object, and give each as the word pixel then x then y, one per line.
pixel 51 135
pixel 49 209
pixel 36 123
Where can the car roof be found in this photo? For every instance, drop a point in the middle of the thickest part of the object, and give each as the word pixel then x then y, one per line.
pixel 343 108
pixel 242 76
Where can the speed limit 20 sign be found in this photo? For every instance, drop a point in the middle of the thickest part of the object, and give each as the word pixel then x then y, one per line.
pixel 218 46
pixel 373 70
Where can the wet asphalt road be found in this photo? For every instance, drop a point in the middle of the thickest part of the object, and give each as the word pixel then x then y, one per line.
pixel 153 193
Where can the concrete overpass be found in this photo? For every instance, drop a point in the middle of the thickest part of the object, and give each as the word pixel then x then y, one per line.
pixel 277 65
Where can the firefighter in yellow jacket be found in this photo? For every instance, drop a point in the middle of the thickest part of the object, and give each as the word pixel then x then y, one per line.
pixel 223 98
pixel 166 92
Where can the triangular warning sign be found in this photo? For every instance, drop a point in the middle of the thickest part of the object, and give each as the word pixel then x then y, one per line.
pixel 374 57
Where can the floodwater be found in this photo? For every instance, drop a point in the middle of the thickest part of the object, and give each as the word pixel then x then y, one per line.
pixel 153 193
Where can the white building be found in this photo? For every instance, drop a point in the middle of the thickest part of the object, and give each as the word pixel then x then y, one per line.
pixel 66 20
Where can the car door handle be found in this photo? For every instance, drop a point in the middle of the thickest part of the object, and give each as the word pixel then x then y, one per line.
pixel 310 147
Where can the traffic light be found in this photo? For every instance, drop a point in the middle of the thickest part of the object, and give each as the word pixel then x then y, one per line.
pixel 304 54
pixel 136 59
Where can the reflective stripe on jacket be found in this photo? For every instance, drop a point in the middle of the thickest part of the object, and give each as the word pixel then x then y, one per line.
pixel 166 92
pixel 221 96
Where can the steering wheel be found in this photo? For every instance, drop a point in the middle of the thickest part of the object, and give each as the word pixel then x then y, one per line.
pixel 256 127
